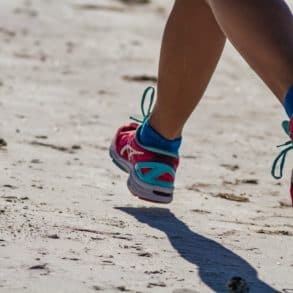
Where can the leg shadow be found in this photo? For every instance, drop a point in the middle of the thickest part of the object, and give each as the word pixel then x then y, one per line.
pixel 216 264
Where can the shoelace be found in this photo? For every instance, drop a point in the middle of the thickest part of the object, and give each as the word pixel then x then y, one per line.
pixel 281 158
pixel 149 91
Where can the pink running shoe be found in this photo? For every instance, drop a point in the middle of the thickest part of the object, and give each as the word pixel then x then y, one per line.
pixel 151 171
pixel 281 158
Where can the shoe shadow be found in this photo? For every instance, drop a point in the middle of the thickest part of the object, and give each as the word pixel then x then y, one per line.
pixel 216 264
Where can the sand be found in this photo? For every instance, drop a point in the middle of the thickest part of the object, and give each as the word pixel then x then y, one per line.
pixel 70 75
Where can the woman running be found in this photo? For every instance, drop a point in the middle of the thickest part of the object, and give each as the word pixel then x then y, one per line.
pixel 193 42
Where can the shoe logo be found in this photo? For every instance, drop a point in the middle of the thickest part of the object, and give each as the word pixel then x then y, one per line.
pixel 130 151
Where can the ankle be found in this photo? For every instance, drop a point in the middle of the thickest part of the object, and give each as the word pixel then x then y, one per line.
pixel 164 127
pixel 149 137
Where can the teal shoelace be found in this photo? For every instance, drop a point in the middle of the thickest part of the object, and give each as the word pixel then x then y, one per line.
pixel 281 158
pixel 149 92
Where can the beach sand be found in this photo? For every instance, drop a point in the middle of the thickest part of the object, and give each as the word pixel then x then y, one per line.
pixel 71 73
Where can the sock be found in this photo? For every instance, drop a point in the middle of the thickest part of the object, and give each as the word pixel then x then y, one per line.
pixel 288 102
pixel 148 136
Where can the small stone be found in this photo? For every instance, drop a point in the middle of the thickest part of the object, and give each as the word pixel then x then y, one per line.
pixel 237 285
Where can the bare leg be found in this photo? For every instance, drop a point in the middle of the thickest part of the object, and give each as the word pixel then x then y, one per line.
pixel 192 45
pixel 262 31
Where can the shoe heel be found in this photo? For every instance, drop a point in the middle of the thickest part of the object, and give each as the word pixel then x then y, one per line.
pixel 119 166
pixel 115 159
pixel 148 192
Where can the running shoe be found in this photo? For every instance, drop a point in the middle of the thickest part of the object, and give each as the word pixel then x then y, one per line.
pixel 281 158
pixel 151 170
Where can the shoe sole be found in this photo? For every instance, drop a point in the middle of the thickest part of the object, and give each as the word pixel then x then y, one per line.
pixel 136 186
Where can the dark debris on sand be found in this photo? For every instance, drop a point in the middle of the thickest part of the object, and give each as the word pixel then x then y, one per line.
pixel 140 78
pixel 233 197
pixel 3 143
pixel 135 1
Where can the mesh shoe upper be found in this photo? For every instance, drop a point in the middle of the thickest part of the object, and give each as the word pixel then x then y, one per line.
pixel 153 166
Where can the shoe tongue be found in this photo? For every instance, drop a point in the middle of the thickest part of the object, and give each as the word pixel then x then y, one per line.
pixel 288 127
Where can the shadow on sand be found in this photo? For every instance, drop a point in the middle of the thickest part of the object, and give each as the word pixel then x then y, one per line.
pixel 216 264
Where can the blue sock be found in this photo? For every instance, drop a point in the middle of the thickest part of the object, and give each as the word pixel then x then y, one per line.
pixel 288 102
pixel 148 136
